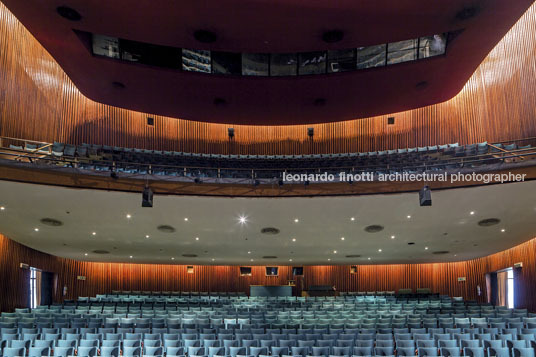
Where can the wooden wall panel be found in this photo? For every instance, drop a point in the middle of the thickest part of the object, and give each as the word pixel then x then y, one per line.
pixel 39 102
pixel 105 277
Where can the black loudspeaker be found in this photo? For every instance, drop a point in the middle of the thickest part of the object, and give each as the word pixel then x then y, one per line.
pixel 147 197
pixel 391 121
pixel 425 196
pixel 311 132
pixel 230 132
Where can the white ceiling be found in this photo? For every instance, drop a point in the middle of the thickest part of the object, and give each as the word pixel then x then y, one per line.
pixel 445 226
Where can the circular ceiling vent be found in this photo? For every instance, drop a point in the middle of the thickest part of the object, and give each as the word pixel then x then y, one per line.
pixel 100 251
pixel 441 252
pixel 269 257
pixel 166 229
pixel 69 13
pixel 332 36
pixel 489 222
pixel 205 36
pixel 51 222
pixel 375 228
pixel 270 230
pixel 353 256
pixel 190 255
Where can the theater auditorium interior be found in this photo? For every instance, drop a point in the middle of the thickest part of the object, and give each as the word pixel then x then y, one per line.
pixel 267 178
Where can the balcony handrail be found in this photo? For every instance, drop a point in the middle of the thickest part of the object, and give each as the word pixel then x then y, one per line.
pixel 482 158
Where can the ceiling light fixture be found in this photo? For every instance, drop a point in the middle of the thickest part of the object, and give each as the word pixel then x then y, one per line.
pixel 379 250
pixel 36 229
pixel 131 257
pixel 334 252
pixel 249 252
pixel 293 239
pixel 296 220
pixel 352 219
pixel 85 254
pixel 409 217
pixel 196 238
pixel 342 238
pixel 129 216
pixel 368 258
pixel 242 219
pixel 185 219
pixel 472 213
pixel 173 258
pixel 425 248
pixel 94 233
pixel 2 208
pixel 147 236
pixel 213 259
pixel 329 259
pixel 503 230
pixel 251 260
pixel 290 260
pixel 392 237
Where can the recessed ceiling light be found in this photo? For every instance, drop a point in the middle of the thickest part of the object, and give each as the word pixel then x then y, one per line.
pixel 425 248
pixel 173 258
pixel 472 213
pixel 185 219
pixel 242 219
pixel 342 238
pixel 129 216
pixel 290 260
pixel 196 238
pixel 94 233
pixel 392 237
pixel 503 230
pixel 293 239
pixel 409 216
pixel 85 254
pixel 379 250
pixel 251 260
pixel 213 259
pixel 329 259
pixel 334 252
pixel 352 219
pixel 249 252
pixel 36 229
pixel 368 258
pixel 131 257
pixel 146 236
pixel 2 208
pixel 296 220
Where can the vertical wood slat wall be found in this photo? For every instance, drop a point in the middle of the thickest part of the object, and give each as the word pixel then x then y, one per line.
pixel 39 102
pixel 104 277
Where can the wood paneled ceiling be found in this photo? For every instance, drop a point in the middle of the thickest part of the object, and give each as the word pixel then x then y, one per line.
pixel 446 231
pixel 271 26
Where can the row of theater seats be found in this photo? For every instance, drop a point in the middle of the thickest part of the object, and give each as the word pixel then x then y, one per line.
pixel 242 326
pixel 276 342
pixel 141 161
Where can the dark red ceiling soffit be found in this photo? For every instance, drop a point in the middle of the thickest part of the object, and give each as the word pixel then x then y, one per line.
pixel 271 26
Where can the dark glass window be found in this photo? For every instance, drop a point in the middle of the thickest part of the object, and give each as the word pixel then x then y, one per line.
pixel 312 63
pixel 226 63
pixel 402 51
pixel 372 56
pixel 255 64
pixel 283 64
pixel 263 64
pixel 341 61
pixel 431 46
pixel 106 46
pixel 196 60
pixel 153 55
